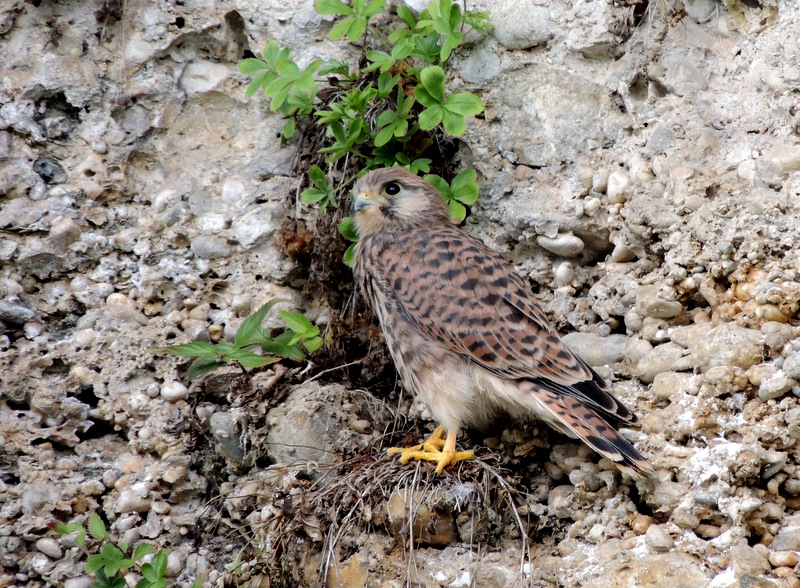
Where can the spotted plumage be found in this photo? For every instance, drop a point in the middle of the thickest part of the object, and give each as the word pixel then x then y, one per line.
pixel 464 330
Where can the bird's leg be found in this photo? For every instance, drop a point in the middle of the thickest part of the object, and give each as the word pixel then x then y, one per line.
pixel 435 448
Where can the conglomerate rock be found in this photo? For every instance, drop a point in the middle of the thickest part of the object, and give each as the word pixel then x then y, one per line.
pixel 639 163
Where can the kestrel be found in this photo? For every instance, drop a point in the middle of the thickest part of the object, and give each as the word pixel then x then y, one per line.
pixel 464 330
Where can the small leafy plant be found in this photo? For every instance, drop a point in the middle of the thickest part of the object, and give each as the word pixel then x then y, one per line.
pixel 300 335
pixel 392 111
pixel 112 560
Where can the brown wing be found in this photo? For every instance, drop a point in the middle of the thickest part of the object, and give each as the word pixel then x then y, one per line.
pixel 460 293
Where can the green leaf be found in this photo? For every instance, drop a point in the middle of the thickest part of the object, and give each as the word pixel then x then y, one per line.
pixel 333 7
pixel 386 82
pixel 312 344
pixel 296 321
pixel 347 227
pixel 203 366
pixel 159 562
pixel 94 563
pixel 427 47
pixel 421 164
pixel 312 195
pixel 374 8
pixel 110 552
pixel 288 129
pixel 318 177
pixel 464 103
pixel 141 550
pixel 340 29
pixel 432 79
pixel 256 83
pixel 357 28
pixel 251 326
pixel 349 257
pixel 464 187
pixel 379 59
pixel 384 135
pixel 430 118
pixel 404 12
pixel 252 360
pixel 402 49
pixel 440 184
pixel 97 528
pixel 457 210
pixel 252 65
pixel 193 349
pixel 453 123
pixel 281 345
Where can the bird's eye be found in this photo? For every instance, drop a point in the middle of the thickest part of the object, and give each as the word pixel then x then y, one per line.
pixel 392 189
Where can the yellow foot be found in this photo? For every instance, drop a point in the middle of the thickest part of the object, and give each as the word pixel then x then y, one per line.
pixel 435 448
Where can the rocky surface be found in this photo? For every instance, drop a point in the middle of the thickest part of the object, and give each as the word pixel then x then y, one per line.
pixel 639 162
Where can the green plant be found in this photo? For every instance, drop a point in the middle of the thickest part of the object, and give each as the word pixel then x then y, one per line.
pixel 393 111
pixel 460 192
pixel 111 560
pixel 300 334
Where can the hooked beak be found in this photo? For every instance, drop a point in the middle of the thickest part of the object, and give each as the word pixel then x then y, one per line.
pixel 362 201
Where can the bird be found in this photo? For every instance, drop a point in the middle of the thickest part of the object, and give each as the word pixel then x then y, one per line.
pixel 465 331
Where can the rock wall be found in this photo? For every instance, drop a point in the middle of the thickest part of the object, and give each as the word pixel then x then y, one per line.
pixel 639 162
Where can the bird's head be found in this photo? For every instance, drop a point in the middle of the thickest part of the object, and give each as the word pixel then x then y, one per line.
pixel 392 199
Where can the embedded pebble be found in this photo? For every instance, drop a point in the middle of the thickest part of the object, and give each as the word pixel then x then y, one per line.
pixel 49 547
pixel 775 387
pixel 664 358
pixel 791 366
pixel 669 235
pixel 596 350
pixel 132 500
pixel 784 558
pixel 746 561
pixel 658 538
pixel 211 247
pixel 651 301
pixel 563 245
pixel 728 344
pixel 618 182
pixel 15 313
pixel 788 537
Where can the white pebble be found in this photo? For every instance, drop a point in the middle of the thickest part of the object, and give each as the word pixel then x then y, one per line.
pixel 564 273
pixel 174 391
pixel 49 547
pixel 563 245
pixel 84 337
pixel 618 182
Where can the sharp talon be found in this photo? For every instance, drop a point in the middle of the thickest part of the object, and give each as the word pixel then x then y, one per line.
pixel 435 448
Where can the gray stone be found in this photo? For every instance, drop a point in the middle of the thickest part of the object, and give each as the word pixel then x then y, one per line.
pixel 570 114
pixel 211 247
pixel 49 547
pixel 596 350
pixel 791 366
pixel 226 428
pixel 519 24
pixel 775 387
pixel 562 245
pixel 655 301
pixel 664 358
pixel 728 344
pixel 203 76
pixel 50 170
pixel 658 538
pixel 312 425
pixel 746 561
pixel 788 537
pixel 11 312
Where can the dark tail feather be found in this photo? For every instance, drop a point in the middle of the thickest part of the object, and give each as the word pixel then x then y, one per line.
pixel 574 418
